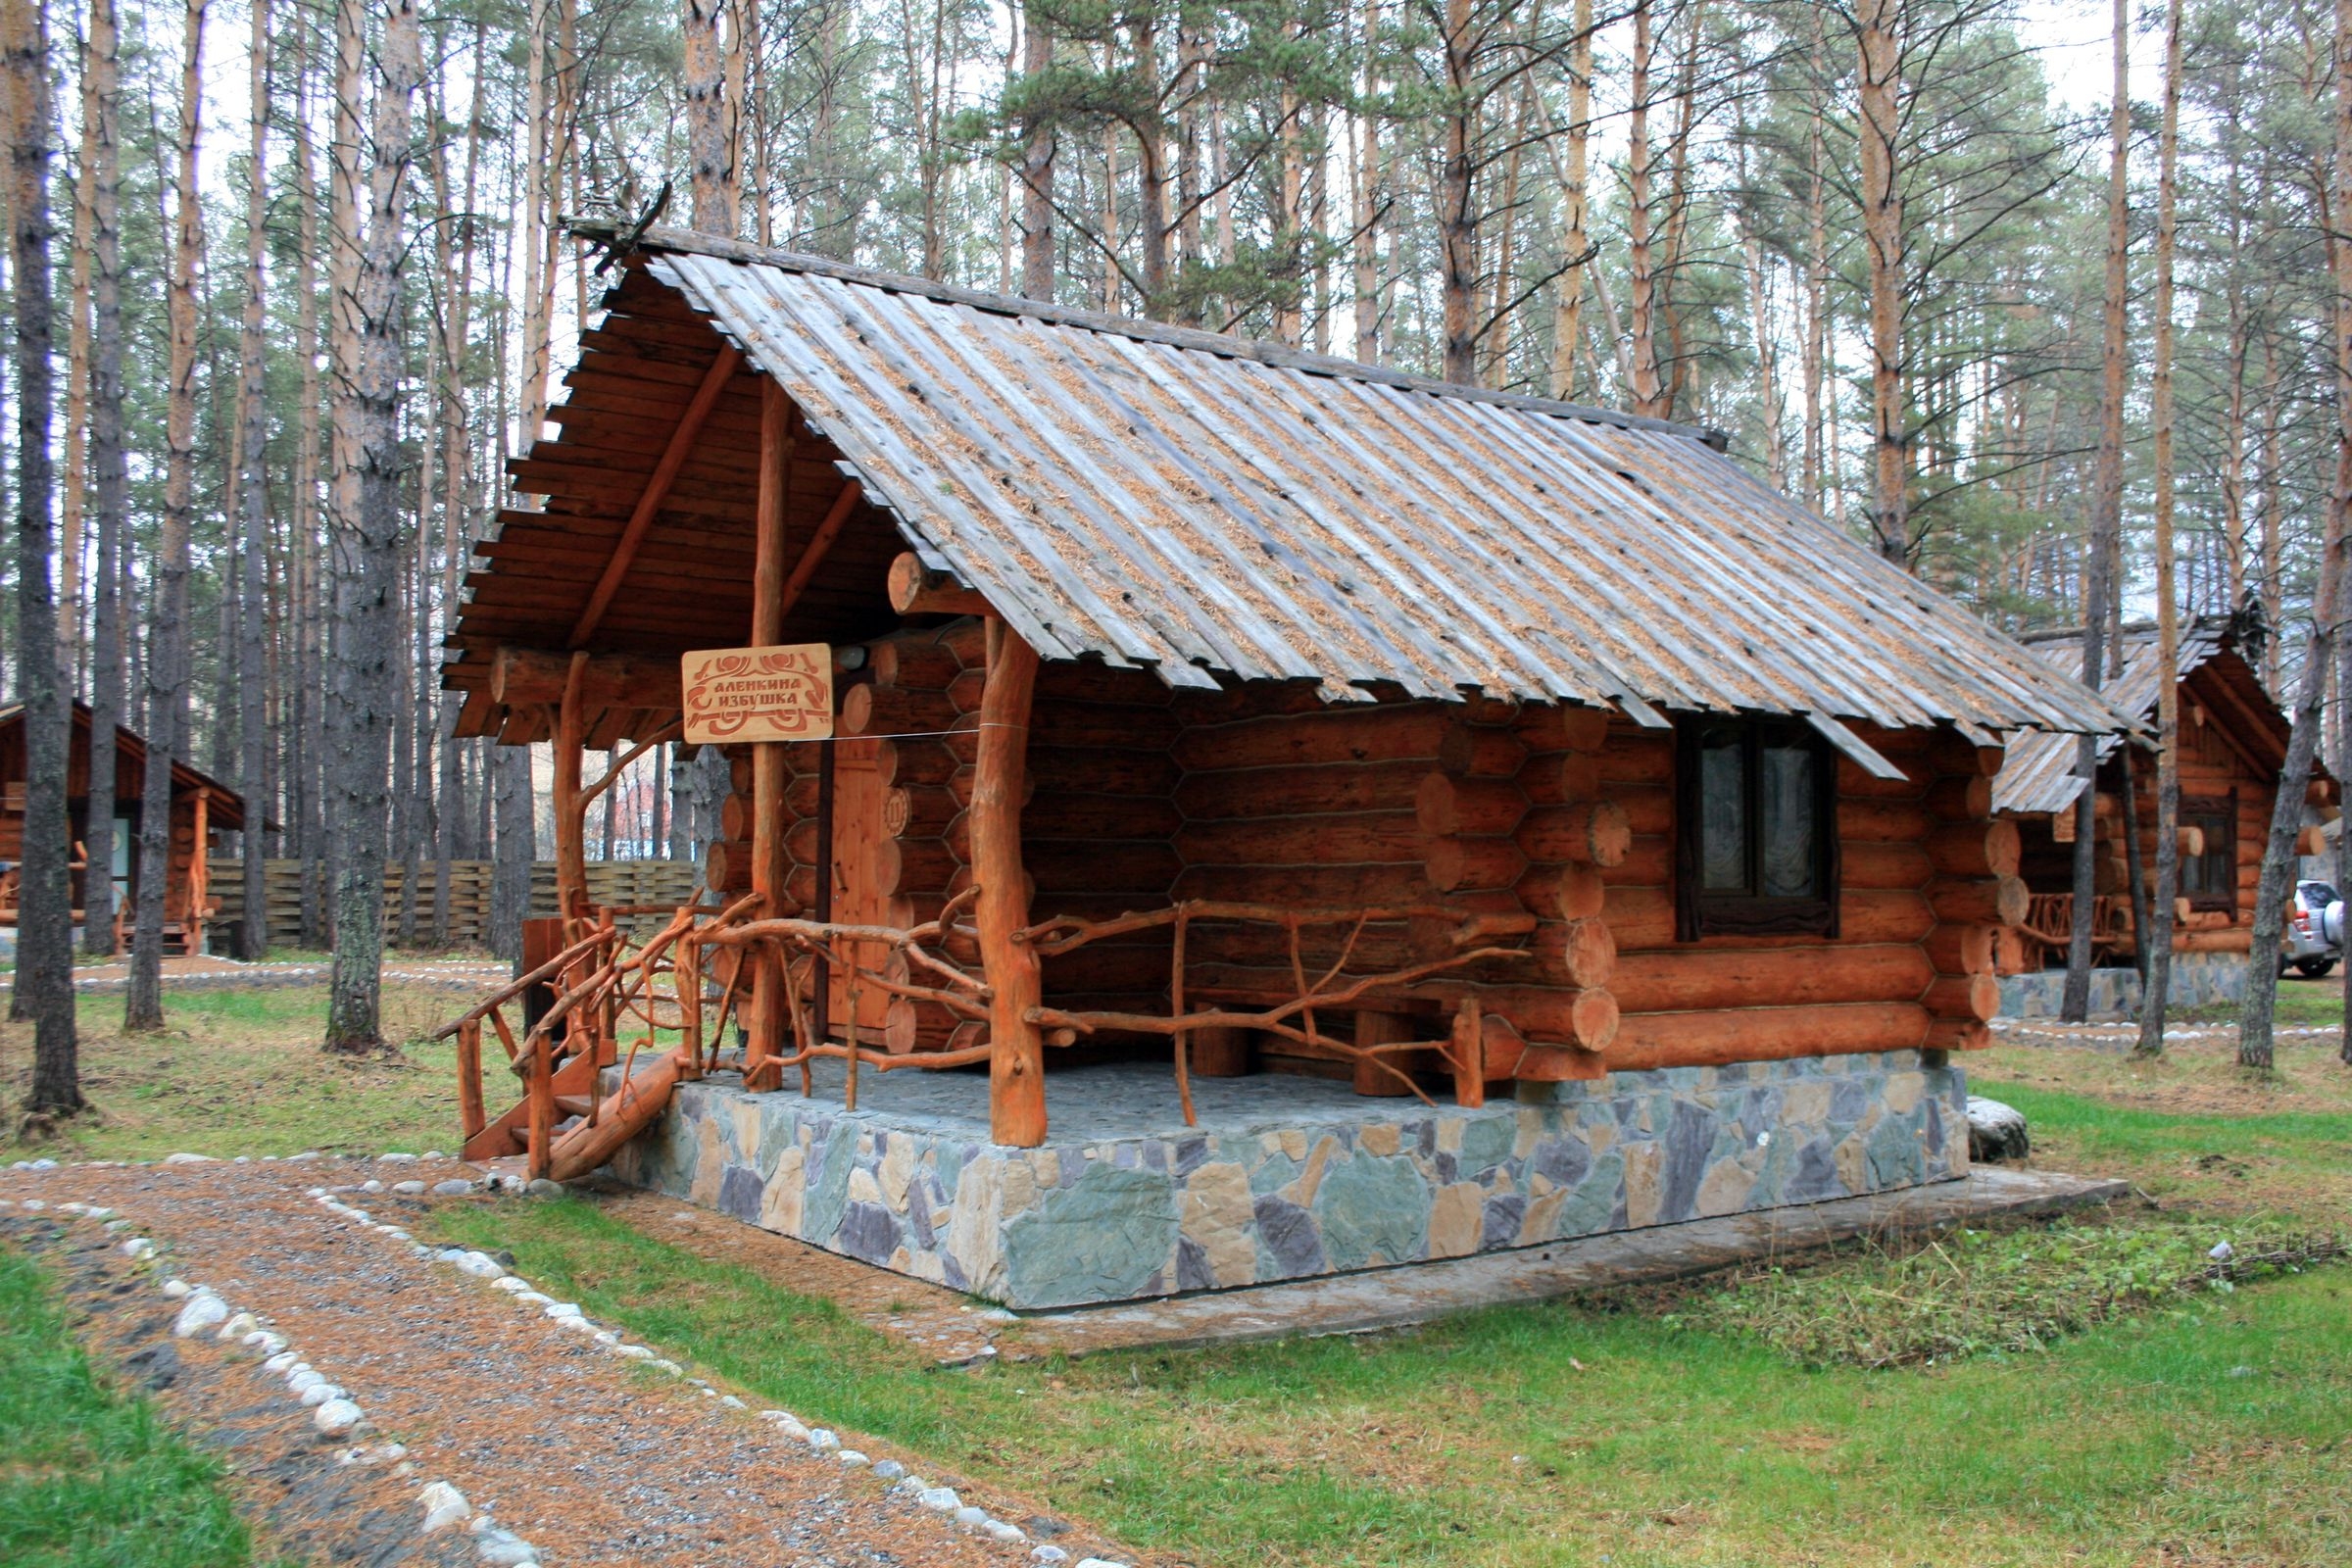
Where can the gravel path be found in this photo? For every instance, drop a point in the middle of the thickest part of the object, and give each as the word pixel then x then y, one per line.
pixel 566 1444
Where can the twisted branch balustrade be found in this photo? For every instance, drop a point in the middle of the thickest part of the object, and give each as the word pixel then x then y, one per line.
pixel 604 981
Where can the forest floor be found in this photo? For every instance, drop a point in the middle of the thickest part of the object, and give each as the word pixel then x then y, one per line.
pixel 239 1072
pixel 2089 1389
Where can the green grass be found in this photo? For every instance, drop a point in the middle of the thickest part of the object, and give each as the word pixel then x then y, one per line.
pixel 88 1478
pixel 240 1072
pixel 1560 1434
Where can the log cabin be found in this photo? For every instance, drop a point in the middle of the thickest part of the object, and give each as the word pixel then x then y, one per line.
pixel 202 810
pixel 1282 816
pixel 2233 738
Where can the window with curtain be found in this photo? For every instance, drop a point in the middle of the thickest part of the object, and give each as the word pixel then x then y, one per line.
pixel 1755 829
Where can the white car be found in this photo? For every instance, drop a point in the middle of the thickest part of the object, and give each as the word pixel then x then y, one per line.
pixel 2315 931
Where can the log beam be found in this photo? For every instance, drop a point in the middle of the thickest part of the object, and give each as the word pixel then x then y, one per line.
pixel 522 676
pixel 916 590
pixel 657 490
pixel 1016 1082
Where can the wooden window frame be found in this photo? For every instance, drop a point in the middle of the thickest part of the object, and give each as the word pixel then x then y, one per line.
pixel 2223 806
pixel 1699 914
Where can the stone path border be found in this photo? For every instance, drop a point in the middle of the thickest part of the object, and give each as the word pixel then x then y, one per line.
pixel 2126 1036
pixel 590 1463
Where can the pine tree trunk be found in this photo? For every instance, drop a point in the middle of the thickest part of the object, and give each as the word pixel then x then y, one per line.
pixel 2257 1015
pixel 168 614
pixel 456 315
pixel 1882 227
pixel 366 677
pixel 2155 992
pixel 707 143
pixel 101 107
pixel 1457 214
pixel 513 852
pixel 1640 257
pixel 2106 507
pixel 1568 317
pixel 44 979
pixel 302 739
pixel 1037 166
pixel 75 501
pixel 254 491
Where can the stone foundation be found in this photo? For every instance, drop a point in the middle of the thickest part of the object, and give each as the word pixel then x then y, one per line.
pixel 1284 1178
pixel 2199 979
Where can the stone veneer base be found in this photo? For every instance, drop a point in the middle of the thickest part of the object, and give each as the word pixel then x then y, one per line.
pixel 1284 1178
pixel 2199 979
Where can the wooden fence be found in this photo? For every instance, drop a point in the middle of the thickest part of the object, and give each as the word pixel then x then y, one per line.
pixel 618 883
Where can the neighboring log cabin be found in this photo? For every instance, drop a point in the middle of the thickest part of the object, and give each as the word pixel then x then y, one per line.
pixel 2233 744
pixel 202 810
pixel 1244 714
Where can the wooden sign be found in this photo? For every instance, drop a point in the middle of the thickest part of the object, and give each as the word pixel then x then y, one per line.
pixel 734 694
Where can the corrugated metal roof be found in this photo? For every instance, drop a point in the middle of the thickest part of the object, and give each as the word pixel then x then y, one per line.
pixel 2038 773
pixel 1203 506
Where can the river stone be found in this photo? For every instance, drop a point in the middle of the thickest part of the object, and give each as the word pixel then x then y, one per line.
pixel 1099 1239
pixel 1995 1130
pixel 452 1189
pixel 336 1417
pixel 444 1505
pixel 200 1314
pixel 503 1548
pixel 939 1499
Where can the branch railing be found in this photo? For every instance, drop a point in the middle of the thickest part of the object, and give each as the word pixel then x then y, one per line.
pixel 690 979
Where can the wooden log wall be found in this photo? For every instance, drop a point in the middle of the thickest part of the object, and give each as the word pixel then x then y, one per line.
pixel 2211 766
pixel 1923 876
pixel 1098 826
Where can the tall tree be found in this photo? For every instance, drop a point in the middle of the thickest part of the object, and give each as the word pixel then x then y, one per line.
pixel 2258 1013
pixel 44 981
pixel 253 494
pixel 709 141
pixel 2100 591
pixel 2155 993
pixel 367 675
pixel 167 615
pixel 101 108
pixel 1880 131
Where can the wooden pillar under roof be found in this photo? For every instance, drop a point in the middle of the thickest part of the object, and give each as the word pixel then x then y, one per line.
pixel 199 871
pixel 572 823
pixel 765 1021
pixel 1016 1063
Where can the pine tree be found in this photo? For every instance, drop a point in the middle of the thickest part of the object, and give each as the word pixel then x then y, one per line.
pixel 366 675
pixel 168 616
pixel 44 978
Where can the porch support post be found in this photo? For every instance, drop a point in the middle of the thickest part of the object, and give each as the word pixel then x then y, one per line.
pixel 200 871
pixel 1017 1062
pixel 571 824
pixel 769 572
